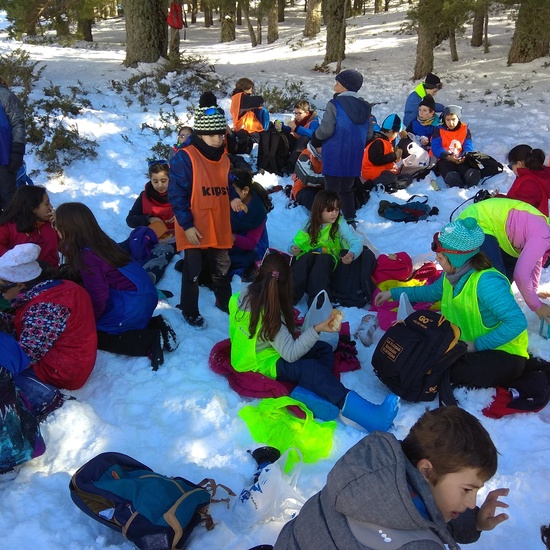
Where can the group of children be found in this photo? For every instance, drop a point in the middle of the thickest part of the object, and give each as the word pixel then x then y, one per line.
pixel 420 492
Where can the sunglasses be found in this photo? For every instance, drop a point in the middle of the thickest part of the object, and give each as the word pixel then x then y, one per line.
pixel 211 111
pixel 157 161
pixel 511 166
pixel 437 247
pixel 271 251
pixel 7 286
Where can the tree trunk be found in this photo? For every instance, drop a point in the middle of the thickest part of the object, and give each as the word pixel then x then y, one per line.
pixel 531 38
pixel 194 11
pixel 84 29
pixel 208 15
pixel 313 19
pixel 477 26
pixel 377 6
pixel 452 44
pixel 239 15
pixel 336 31
pixel 227 33
pixel 259 29
pixel 272 24
pixel 428 36
pixel 281 4
pixel 146 31
pixel 174 45
pixel 386 5
pixel 486 30
pixel 252 34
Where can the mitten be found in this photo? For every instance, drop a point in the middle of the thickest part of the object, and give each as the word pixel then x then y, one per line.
pixel 16 157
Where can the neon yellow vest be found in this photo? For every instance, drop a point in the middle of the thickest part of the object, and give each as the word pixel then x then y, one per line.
pixel 491 216
pixel 329 246
pixel 420 90
pixel 459 310
pixel 244 357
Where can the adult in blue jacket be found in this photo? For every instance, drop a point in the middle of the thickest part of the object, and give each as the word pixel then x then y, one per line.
pixel 431 85
pixel 12 142
pixel 343 133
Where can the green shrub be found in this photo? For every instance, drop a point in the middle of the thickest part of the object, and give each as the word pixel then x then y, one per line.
pixel 280 100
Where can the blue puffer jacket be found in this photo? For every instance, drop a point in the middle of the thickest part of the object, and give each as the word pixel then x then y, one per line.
pixel 12 124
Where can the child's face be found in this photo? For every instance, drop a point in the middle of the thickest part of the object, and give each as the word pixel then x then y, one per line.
pixel 338 88
pixel 424 113
pixel 330 215
pixel 299 115
pixel 451 121
pixel 213 141
pixel 159 181
pixel 456 492
pixel 183 135
pixel 44 210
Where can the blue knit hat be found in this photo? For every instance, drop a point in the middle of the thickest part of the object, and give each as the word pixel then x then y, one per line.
pixel 351 79
pixel 460 240
pixel 391 123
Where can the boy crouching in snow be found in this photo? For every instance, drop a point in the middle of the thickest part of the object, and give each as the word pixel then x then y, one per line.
pixel 419 493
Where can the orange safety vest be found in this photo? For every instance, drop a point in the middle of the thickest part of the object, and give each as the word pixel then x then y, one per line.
pixel 316 166
pixel 453 140
pixel 368 170
pixel 209 202
pixel 247 121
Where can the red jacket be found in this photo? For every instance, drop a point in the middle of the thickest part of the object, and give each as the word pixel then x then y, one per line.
pixel 532 187
pixel 44 235
pixel 71 358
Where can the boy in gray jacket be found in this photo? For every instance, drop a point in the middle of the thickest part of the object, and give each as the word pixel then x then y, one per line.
pixel 418 494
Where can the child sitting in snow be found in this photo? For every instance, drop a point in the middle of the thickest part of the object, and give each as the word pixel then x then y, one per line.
pixel 417 494
pixel 450 143
pixel 379 166
pixel 152 209
pixel 247 111
pixel 325 240
pixel 308 176
pixel 421 129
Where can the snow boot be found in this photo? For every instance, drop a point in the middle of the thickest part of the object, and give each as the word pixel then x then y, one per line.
pixel 321 408
pixel 472 177
pixel 454 179
pixel 368 416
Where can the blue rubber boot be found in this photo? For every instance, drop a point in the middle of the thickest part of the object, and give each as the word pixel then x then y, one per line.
pixel 321 408
pixel 368 416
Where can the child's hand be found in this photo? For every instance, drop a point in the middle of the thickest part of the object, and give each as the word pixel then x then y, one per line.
pixel 486 519
pixel 294 250
pixel 152 219
pixel 424 140
pixel 193 236
pixel 292 125
pixel 326 325
pixel 237 205
pixel 382 297
pixel 348 258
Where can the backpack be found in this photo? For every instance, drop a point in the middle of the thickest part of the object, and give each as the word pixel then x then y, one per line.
pixel 487 165
pixel 151 510
pixel 273 151
pixel 361 194
pixel 414 356
pixel 351 285
pixel 175 16
pixel 411 211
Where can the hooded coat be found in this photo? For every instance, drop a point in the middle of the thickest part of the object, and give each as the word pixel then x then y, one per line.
pixel 367 504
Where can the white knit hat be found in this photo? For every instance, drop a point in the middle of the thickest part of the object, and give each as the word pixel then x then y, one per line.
pixel 19 264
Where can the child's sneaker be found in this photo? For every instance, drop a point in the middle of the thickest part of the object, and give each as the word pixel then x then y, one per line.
pixel 196 321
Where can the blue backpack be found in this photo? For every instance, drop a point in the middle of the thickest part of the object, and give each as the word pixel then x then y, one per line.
pixel 411 211
pixel 153 511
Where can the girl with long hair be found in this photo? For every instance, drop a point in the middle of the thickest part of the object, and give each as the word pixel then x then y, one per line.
pixel 28 219
pixel 123 295
pixel 325 240
pixel 478 299
pixel 261 329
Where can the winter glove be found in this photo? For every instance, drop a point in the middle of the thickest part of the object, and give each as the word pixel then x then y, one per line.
pixel 16 157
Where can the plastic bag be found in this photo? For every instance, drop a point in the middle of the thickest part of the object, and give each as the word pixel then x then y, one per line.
pixel 405 307
pixel 320 311
pixel 273 497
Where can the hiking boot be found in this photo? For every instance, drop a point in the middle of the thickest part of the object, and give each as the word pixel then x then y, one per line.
pixel 196 321
pixel 454 179
pixel 472 177
pixel 155 353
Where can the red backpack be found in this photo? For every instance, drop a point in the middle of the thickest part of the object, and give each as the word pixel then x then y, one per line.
pixel 175 16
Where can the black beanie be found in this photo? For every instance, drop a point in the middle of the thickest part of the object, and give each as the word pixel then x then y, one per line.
pixel 351 79
pixel 207 99
pixel 431 81
pixel 428 101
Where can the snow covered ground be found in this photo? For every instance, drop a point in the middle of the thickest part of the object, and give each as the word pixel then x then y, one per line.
pixel 182 420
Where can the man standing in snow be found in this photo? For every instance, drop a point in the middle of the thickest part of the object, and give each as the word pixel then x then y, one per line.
pixel 343 133
pixel 12 142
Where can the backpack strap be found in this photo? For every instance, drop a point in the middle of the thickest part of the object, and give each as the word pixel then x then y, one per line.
pixel 211 486
pixel 446 395
pixel 419 199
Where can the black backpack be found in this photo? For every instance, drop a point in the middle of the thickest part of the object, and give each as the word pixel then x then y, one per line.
pixel 273 151
pixel 487 165
pixel 413 358
pixel 351 285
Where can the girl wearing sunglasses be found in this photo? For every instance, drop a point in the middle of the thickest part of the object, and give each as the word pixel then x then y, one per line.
pixel 478 299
